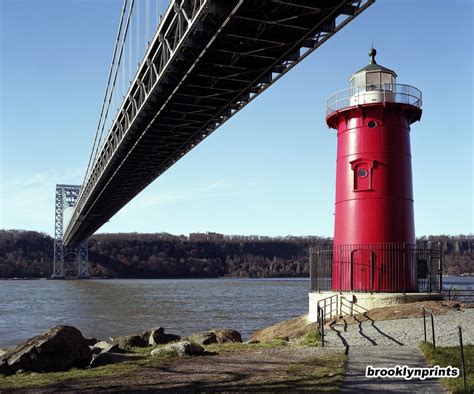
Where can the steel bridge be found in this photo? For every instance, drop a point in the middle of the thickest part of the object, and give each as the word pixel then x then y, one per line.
pixel 206 60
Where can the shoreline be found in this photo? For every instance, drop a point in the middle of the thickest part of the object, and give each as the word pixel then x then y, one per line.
pixel 268 362
pixel 301 278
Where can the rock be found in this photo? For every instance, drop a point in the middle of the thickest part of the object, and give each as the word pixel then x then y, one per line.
pixel 146 335
pixel 4 369
pixel 102 345
pixel 179 349
pixel 172 338
pixel 91 341
pixel 3 351
pixel 113 349
pixel 58 349
pixel 94 350
pixel 130 341
pixel 108 358
pixel 225 335
pixel 105 347
pixel 203 338
pixel 158 337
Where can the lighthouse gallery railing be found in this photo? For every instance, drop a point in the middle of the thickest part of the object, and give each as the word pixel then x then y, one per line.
pixel 365 94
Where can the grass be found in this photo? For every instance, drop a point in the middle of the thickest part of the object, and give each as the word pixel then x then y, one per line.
pixel 325 372
pixel 312 338
pixel 28 380
pixel 444 356
pixel 322 374
pixel 240 346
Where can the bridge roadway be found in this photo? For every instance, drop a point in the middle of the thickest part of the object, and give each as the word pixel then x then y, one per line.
pixel 207 60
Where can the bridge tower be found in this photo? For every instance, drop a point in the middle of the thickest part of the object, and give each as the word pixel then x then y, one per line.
pixel 66 196
pixel 374 230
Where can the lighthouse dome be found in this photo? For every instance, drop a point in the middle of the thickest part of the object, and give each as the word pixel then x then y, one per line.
pixel 372 81
pixel 373 74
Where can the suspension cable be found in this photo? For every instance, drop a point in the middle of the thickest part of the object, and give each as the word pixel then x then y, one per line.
pixel 138 33
pixel 122 45
pixel 147 11
pixel 119 31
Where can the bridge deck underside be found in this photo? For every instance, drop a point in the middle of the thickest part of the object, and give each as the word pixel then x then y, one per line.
pixel 232 54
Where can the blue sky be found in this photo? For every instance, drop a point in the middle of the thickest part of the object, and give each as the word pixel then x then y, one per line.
pixel 270 169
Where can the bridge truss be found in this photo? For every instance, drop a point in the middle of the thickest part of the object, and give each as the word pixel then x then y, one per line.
pixel 207 60
pixel 66 197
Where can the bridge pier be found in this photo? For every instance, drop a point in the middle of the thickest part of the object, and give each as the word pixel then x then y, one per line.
pixel 66 196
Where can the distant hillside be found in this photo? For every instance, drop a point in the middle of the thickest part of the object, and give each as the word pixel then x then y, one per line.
pixel 30 254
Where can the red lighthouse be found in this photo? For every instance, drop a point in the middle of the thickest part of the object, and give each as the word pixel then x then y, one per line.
pixel 374 246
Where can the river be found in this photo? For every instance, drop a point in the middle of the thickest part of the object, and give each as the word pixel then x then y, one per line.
pixel 103 308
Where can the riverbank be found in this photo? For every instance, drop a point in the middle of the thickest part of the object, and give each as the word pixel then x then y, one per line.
pixel 285 356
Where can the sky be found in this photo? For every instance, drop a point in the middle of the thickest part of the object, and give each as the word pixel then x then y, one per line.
pixel 269 170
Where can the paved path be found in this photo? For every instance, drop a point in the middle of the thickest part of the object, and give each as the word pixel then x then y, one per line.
pixel 390 343
pixel 380 356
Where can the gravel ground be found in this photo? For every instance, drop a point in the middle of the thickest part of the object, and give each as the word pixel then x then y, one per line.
pixel 403 332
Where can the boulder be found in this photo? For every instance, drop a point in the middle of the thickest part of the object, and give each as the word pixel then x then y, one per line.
pixel 172 338
pixel 113 349
pixel 108 349
pixel 94 350
pixel 146 335
pixel 129 341
pixel 224 335
pixel 203 338
pixel 102 345
pixel 108 358
pixel 179 349
pixel 58 349
pixel 4 369
pixel 91 341
pixel 158 337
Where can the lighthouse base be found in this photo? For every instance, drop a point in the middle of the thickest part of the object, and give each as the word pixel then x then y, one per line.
pixel 349 303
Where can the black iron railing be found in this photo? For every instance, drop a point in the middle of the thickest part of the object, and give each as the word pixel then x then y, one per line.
pixel 433 336
pixel 327 308
pixel 459 294
pixel 382 264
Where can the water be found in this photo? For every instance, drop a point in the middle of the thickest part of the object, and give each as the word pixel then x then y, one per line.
pixel 458 282
pixel 103 308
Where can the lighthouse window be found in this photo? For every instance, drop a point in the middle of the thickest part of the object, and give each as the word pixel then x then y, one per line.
pixel 363 172
pixel 372 124
pixel 373 78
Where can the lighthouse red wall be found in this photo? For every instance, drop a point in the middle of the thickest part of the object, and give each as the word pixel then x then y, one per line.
pixel 374 234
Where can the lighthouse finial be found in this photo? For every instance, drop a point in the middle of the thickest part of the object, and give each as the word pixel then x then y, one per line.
pixel 372 54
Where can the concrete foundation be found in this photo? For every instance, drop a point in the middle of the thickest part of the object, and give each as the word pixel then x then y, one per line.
pixel 349 303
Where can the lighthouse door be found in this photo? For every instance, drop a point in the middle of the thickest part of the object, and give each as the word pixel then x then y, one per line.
pixel 362 272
